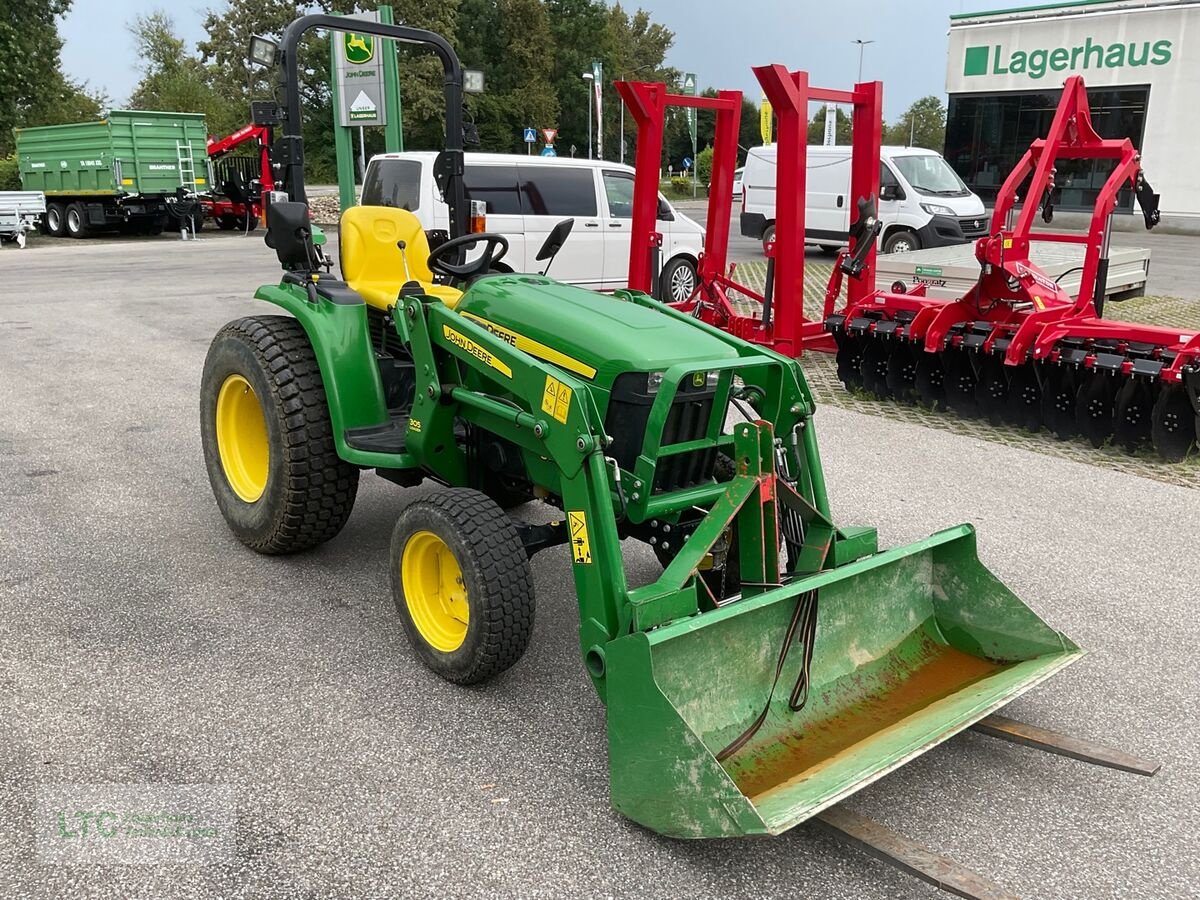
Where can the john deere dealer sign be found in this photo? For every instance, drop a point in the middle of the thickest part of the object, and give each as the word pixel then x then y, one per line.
pixel 1106 48
pixel 360 77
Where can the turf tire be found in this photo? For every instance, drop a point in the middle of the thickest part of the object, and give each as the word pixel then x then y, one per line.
pixel 310 490
pixel 496 575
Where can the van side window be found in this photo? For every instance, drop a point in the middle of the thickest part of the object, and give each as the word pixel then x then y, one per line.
pixel 494 185
pixel 618 191
pixel 393 182
pixel 557 191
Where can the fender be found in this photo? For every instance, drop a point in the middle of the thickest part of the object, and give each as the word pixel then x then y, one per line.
pixel 341 343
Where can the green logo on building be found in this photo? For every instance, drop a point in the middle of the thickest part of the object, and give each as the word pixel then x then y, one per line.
pixel 360 48
pixel 994 60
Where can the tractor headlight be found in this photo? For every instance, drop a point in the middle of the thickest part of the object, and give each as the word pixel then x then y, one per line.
pixel 654 382
pixel 936 209
pixel 263 51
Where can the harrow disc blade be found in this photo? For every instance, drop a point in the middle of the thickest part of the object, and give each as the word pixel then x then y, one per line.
pixel 1024 405
pixel 1094 407
pixel 960 383
pixel 1173 423
pixel 1132 413
pixel 875 368
pixel 902 371
pixel 930 379
pixel 991 391
pixel 1058 402
pixel 849 360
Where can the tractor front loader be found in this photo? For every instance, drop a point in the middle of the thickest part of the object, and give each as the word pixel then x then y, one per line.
pixel 777 665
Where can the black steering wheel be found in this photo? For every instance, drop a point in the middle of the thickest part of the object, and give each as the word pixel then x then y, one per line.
pixel 497 246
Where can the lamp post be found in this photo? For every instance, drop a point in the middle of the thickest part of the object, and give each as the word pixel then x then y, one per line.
pixel 622 78
pixel 588 79
pixel 862 45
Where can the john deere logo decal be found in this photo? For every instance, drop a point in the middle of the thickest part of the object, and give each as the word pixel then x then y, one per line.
pixel 360 48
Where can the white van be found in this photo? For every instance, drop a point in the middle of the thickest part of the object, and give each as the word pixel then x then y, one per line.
pixel 922 201
pixel 527 195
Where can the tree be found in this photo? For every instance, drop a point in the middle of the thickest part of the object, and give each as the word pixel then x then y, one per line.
pixel 638 50
pixel 579 35
pixel 33 90
pixel 922 125
pixel 173 78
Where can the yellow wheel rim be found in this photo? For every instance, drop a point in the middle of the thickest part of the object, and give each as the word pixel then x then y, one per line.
pixel 242 438
pixel 434 591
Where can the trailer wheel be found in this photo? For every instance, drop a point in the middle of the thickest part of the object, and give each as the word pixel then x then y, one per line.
pixel 267 438
pixel 56 220
pixel 77 224
pixel 462 585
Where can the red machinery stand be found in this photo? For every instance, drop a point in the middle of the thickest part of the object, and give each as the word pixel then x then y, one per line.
pixel 781 325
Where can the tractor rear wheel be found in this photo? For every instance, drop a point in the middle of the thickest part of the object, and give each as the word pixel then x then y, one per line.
pixel 462 585
pixel 268 442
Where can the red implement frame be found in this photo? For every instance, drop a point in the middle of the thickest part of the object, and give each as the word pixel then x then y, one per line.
pixel 782 325
pixel 217 148
pixel 1014 307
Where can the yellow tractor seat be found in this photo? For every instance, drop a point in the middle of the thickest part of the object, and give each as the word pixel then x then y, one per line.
pixel 371 262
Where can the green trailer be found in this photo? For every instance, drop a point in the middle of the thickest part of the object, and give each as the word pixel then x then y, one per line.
pixel 129 171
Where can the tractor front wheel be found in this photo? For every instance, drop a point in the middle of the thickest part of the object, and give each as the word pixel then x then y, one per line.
pixel 268 442
pixel 462 585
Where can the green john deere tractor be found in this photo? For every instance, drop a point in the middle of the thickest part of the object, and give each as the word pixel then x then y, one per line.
pixel 777 665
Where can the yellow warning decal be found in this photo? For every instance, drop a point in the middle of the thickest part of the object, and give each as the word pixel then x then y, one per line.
pixel 480 353
pixel 556 399
pixel 1008 243
pixel 535 348
pixel 1039 302
pixel 580 548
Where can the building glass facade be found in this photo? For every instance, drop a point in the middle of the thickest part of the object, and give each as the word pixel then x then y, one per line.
pixel 987 133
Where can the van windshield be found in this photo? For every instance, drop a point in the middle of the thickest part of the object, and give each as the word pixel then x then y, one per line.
pixel 393 182
pixel 930 175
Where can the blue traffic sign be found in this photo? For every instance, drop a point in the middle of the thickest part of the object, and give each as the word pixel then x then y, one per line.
pixel 687 162
pixel 549 150
pixel 531 135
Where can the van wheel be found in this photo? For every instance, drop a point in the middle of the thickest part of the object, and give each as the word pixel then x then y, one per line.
pixel 678 281
pixel 768 235
pixel 56 220
pixel 902 241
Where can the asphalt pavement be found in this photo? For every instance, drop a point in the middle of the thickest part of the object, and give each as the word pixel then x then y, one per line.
pixel 140 643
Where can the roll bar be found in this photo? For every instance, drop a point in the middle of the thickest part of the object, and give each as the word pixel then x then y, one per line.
pixel 289 149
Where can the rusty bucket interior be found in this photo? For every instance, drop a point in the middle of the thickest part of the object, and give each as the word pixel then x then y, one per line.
pixel 911 646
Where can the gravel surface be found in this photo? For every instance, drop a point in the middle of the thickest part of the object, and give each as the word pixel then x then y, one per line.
pixel 141 644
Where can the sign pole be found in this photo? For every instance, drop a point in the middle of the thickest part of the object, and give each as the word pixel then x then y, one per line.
pixel 393 130
pixel 342 143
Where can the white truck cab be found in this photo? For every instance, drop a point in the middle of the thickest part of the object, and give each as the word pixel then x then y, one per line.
pixel 526 196
pixel 922 201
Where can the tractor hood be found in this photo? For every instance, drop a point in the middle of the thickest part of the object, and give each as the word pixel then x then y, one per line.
pixel 582 330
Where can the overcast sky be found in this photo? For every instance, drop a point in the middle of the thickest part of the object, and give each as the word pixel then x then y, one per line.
pixel 719 40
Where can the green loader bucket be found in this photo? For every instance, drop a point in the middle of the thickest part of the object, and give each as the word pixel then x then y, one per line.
pixel 911 646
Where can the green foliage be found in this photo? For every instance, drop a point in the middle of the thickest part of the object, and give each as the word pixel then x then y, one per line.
pixel 173 79
pixel 10 177
pixel 33 90
pixel 704 160
pixel 922 125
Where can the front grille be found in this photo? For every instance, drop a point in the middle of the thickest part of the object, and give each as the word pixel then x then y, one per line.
pixel 687 421
pixel 974 227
